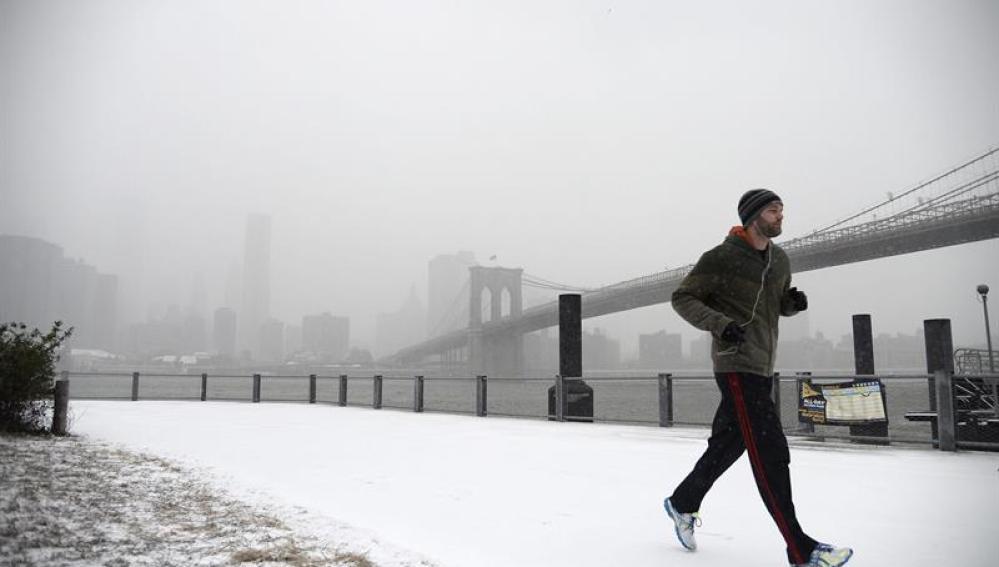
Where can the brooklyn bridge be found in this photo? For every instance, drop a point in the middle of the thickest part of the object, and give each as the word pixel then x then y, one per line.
pixel 956 207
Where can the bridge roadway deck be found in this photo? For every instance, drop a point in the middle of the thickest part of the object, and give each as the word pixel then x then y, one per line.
pixel 869 241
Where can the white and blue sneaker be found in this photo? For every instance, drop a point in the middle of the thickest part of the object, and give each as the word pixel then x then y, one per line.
pixel 685 524
pixel 826 555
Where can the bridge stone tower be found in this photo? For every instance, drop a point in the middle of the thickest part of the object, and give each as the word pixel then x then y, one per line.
pixel 498 354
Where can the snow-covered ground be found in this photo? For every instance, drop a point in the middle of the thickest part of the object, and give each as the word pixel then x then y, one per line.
pixel 495 492
pixel 80 502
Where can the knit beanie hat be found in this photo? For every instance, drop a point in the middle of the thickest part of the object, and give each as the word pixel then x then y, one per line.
pixel 753 202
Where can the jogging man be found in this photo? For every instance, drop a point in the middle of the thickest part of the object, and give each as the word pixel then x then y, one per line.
pixel 738 291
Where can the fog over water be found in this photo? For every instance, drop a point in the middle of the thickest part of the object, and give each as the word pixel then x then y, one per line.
pixel 586 142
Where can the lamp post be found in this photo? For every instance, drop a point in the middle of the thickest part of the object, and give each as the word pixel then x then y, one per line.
pixel 983 290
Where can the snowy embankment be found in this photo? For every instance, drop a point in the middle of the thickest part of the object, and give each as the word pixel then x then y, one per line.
pixel 497 492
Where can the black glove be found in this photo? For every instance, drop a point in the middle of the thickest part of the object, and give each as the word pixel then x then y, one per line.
pixel 733 333
pixel 798 299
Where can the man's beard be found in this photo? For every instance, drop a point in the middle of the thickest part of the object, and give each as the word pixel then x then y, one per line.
pixel 770 230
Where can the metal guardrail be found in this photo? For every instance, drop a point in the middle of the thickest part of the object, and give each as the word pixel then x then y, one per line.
pixel 664 400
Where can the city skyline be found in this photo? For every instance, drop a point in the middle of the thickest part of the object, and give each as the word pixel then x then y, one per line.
pixel 603 349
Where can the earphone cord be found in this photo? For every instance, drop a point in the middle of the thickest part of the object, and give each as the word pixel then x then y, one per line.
pixel 763 278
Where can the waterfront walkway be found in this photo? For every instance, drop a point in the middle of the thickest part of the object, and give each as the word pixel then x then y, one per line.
pixel 471 492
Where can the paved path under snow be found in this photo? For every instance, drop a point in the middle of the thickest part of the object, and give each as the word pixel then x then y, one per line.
pixel 495 492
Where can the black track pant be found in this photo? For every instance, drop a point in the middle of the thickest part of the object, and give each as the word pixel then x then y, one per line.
pixel 746 421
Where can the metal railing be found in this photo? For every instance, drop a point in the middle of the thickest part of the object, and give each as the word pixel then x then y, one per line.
pixel 918 409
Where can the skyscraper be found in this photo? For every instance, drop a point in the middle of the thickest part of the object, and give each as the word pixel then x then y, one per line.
pixel 38 285
pixel 326 336
pixel 29 270
pixel 256 282
pixel 447 275
pixel 660 351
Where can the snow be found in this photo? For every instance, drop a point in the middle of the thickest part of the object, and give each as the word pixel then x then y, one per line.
pixel 492 492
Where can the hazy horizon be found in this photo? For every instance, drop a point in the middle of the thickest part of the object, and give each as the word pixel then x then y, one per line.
pixel 585 142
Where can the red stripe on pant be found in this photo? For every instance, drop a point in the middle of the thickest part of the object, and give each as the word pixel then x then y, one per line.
pixel 757 463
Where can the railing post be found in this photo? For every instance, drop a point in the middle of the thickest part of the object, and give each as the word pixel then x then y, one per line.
pixel 945 410
pixel 418 394
pixel 61 408
pixel 256 388
pixel 376 398
pixel 665 400
pixel 135 386
pixel 939 356
pixel 204 386
pixel 803 379
pixel 559 398
pixel 863 361
pixel 342 397
pixel 480 396
pixel 312 388
pixel 776 395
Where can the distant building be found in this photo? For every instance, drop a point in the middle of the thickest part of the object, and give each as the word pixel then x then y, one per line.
pixel 39 286
pixel 256 286
pixel 155 338
pixel 272 341
pixel 76 302
pixel 447 274
pixel 700 352
pixel 195 334
pixel 808 354
pixel 600 352
pixel 401 328
pixel 106 311
pixel 224 332
pixel 900 352
pixel 29 269
pixel 292 339
pixel 326 336
pixel 660 351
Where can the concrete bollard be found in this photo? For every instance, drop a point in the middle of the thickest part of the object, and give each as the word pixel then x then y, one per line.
pixel 135 386
pixel 312 388
pixel 342 395
pixel 61 409
pixel 559 398
pixel 256 388
pixel 665 400
pixel 939 356
pixel 863 360
pixel 376 397
pixel 480 396
pixel 803 379
pixel 418 394
pixel 204 386
pixel 945 410
pixel 577 396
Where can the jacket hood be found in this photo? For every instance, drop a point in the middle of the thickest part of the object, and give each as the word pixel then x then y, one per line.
pixel 737 235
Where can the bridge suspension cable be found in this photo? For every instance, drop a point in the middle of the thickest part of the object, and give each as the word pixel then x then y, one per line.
pixel 922 186
pixel 452 316
pixel 956 192
pixel 537 282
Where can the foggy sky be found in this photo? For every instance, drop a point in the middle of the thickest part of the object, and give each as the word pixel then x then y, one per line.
pixel 586 142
